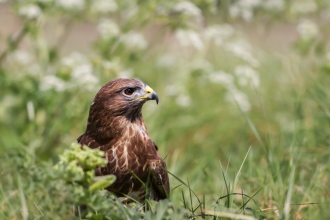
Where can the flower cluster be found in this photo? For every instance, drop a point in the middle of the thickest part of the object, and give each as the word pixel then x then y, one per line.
pixel 30 11
pixel 134 41
pixel 307 29
pixel 71 4
pixel 108 28
pixel 233 93
pixel 224 38
pixel 81 74
pixel 104 6
pixel 78 164
pixel 303 7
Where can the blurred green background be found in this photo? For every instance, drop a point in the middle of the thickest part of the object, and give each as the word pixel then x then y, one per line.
pixel 244 98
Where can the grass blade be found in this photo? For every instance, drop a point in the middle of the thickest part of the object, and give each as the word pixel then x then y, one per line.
pixel 25 212
pixel 287 204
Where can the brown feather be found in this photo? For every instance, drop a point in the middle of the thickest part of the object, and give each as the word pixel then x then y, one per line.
pixel 115 126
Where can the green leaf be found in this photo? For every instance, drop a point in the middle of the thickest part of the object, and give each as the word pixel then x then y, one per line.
pixel 102 182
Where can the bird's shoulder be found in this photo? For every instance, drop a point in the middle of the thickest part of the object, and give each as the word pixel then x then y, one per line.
pixel 89 141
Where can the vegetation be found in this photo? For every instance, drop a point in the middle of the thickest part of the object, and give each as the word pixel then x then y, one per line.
pixel 243 122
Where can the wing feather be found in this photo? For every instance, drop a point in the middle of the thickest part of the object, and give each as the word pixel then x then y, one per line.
pixel 88 141
pixel 160 181
pixel 160 184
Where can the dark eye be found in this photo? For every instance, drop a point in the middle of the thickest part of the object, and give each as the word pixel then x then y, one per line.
pixel 129 91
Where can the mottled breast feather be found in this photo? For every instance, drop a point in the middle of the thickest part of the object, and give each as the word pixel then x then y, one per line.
pixel 115 126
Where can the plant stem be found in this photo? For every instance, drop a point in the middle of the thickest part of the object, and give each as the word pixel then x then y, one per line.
pixel 14 43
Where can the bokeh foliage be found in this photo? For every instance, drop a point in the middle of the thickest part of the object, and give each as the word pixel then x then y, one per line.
pixel 245 128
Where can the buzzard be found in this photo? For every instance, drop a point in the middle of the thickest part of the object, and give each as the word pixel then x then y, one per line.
pixel 115 126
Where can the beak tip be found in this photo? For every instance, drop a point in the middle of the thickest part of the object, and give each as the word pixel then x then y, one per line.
pixel 153 96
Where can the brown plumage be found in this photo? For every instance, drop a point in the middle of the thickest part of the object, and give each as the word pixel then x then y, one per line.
pixel 115 126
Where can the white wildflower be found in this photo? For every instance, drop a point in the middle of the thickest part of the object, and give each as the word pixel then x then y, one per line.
pixel 166 60
pixel 277 5
pixel 74 59
pixel 244 9
pixel 82 71
pixel 22 57
pixel 246 14
pixel 249 3
pixel 242 50
pixel 190 9
pixel 307 29
pixel 246 74
pixel 83 76
pixel 30 11
pixel 52 82
pixel 239 97
pixel 134 41
pixel 71 4
pixel 303 7
pixel 183 100
pixel 44 1
pixel 218 33
pixel 234 11
pixel 189 38
pixel 108 28
pixel 221 77
pixel 130 10
pixel 233 95
pixel 104 6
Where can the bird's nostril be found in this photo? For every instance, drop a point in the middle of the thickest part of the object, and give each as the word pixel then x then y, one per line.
pixel 149 90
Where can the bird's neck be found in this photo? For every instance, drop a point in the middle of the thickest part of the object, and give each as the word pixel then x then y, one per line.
pixel 106 128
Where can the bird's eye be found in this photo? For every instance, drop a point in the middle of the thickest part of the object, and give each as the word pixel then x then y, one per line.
pixel 129 91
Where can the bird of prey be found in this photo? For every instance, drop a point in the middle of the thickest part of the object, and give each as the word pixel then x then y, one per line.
pixel 115 126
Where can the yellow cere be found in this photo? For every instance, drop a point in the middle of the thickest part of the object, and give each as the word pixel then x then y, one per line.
pixel 149 90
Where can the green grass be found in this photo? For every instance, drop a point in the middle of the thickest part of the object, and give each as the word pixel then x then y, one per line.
pixel 224 161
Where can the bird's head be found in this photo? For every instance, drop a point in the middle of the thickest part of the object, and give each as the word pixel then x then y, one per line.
pixel 123 97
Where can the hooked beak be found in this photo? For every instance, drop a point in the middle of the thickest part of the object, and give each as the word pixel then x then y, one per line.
pixel 151 95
